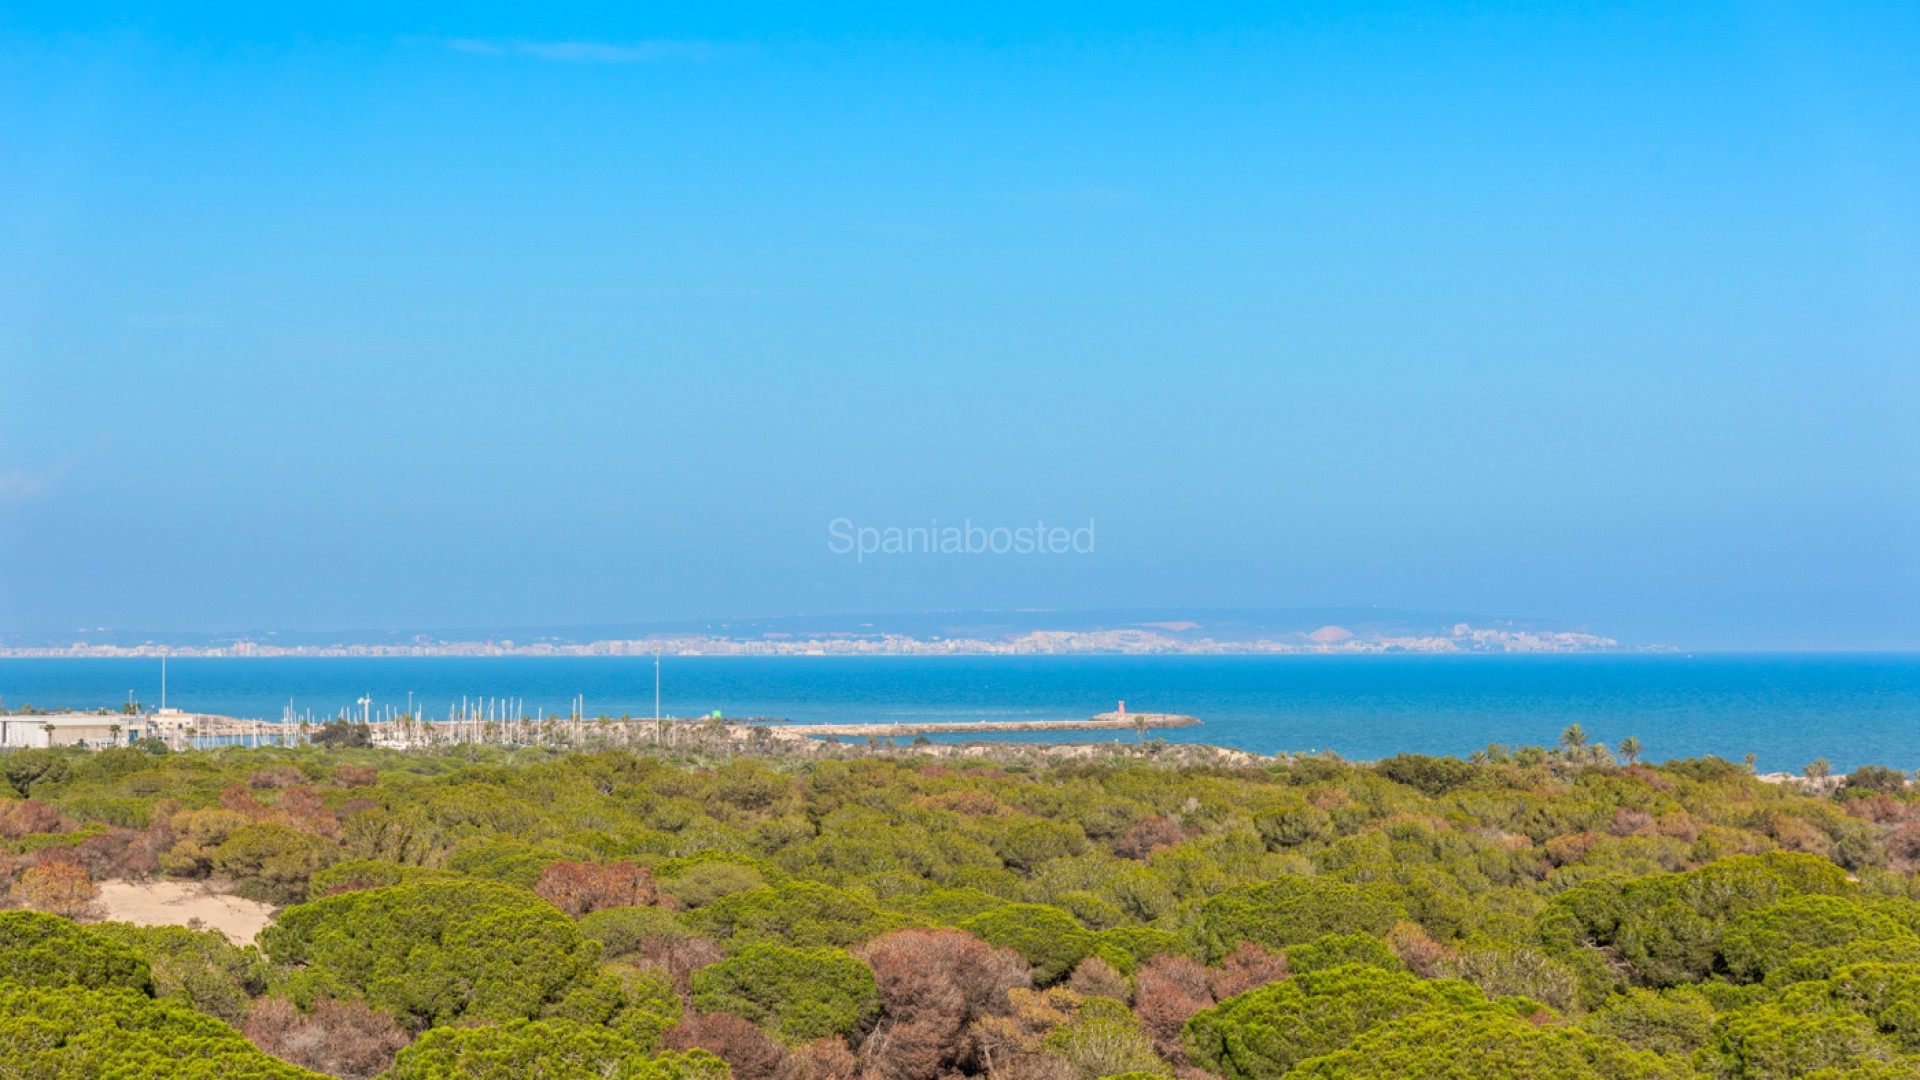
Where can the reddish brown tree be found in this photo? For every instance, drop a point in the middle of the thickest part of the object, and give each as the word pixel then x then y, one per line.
pixel 279 776
pixel 343 1038
pixel 1249 968
pixel 122 853
pixel 1168 990
pixel 351 776
pixel 1627 821
pixel 1015 1044
pixel 29 816
pixel 753 1054
pixel 580 888
pixel 933 985
pixel 826 1059
pixel 302 808
pixel 1571 848
pixel 1148 836
pixel 1423 956
pixel 1094 977
pixel 965 801
pixel 679 958
pixel 1904 844
pixel 240 800
pixel 61 888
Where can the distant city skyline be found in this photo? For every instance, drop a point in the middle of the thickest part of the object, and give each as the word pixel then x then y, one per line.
pixel 1015 632
pixel 450 317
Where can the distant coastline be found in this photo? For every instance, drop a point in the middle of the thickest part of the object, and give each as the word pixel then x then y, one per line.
pixel 1144 641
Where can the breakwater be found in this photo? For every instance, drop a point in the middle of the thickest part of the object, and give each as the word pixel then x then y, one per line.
pixel 1103 722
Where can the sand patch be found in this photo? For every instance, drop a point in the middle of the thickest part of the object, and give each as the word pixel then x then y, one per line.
pixel 176 903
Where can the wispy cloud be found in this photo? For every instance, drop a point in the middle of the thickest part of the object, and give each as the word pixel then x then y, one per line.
pixel 592 52
pixel 19 485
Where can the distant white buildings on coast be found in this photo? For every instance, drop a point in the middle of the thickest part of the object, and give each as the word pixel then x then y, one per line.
pixel 1328 640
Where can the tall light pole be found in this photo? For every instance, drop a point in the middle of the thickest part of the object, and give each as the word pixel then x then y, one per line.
pixel 656 684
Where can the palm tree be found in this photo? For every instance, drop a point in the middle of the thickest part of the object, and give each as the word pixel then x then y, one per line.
pixel 1630 749
pixel 1817 769
pixel 1574 737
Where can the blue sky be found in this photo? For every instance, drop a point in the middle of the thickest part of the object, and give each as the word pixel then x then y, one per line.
pixel 437 317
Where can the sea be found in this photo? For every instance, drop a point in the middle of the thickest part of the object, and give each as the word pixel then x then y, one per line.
pixel 1785 709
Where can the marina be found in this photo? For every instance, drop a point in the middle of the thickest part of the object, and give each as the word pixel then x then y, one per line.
pixel 200 731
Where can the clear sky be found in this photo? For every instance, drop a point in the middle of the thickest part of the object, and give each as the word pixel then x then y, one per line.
pixel 365 317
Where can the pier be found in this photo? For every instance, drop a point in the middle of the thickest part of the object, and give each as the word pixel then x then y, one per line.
pixel 1104 722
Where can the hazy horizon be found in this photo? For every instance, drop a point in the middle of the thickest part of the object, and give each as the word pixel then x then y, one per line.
pixel 365 318
pixel 1196 624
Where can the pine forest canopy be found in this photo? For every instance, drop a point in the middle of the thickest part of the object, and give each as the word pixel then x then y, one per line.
pixel 886 916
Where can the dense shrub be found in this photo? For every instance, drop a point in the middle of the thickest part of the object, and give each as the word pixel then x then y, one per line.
pixel 804 994
pixel 1293 911
pixel 1262 1034
pixel 1773 1041
pixel 76 1032
pixel 1337 949
pixel 353 875
pixel 638 1003
pixel 272 863
pixel 1431 775
pixel 1508 970
pixel 1671 1022
pixel 197 968
pixel 1486 1046
pixel 47 951
pixel 627 931
pixel 1104 1039
pixel 1668 928
pixel 434 953
pixel 1049 939
pixel 547 1049
pixel 1760 941
pixel 1528 913
pixel 1874 779
pixel 800 913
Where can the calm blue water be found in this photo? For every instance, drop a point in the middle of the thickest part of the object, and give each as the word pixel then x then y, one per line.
pixel 1788 709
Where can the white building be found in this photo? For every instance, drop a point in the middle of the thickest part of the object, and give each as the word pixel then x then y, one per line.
pixel 20 732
